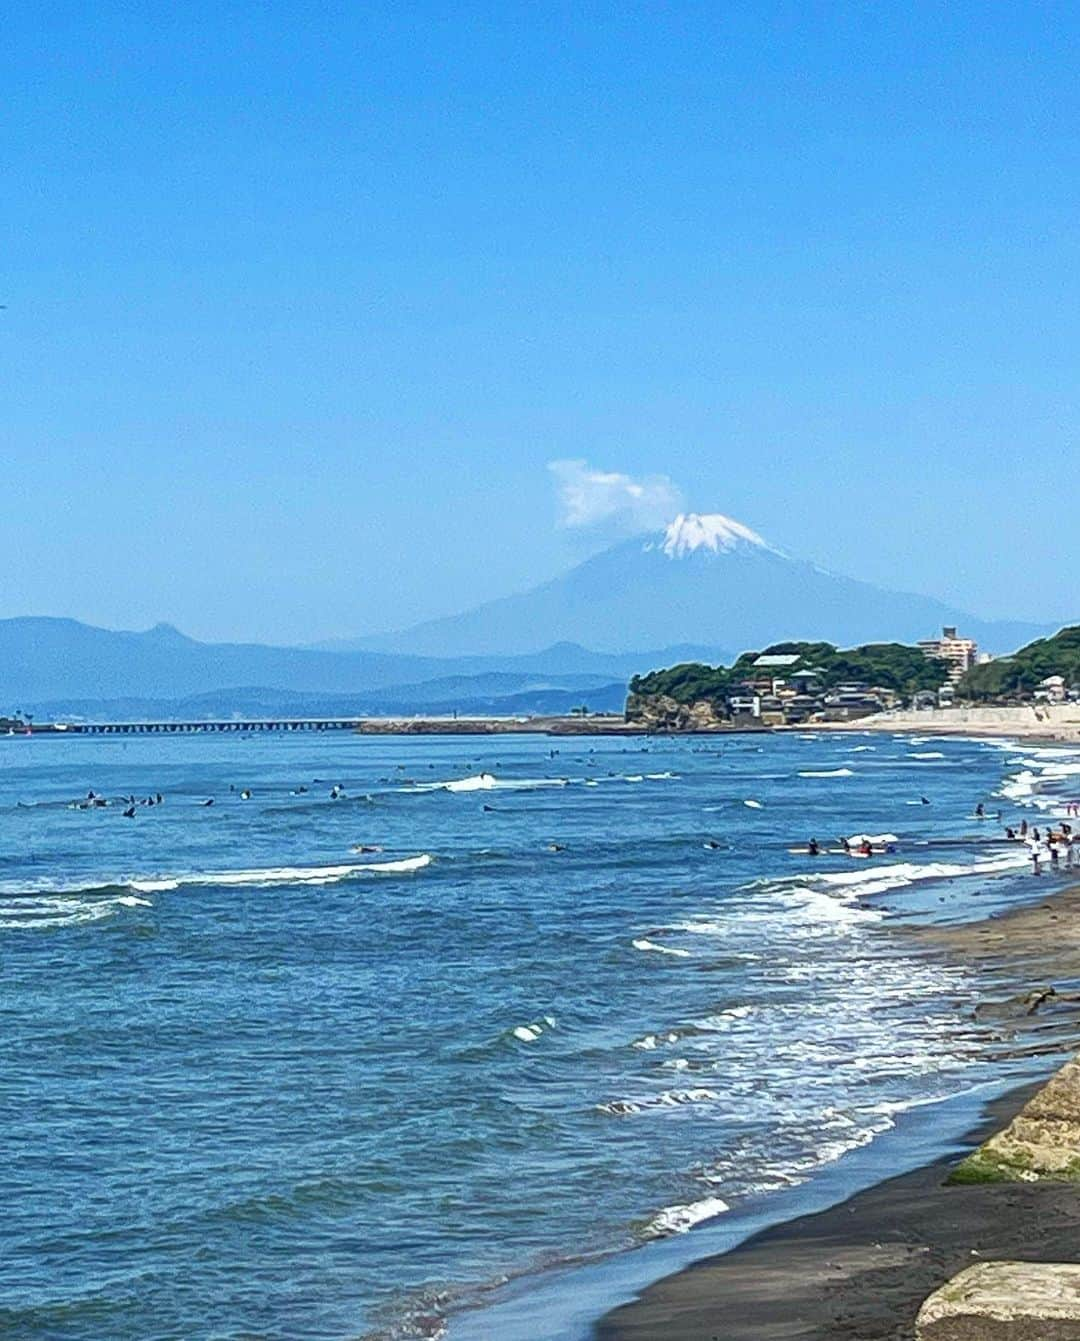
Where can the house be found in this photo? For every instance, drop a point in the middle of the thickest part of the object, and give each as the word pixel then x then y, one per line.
pixel 1051 690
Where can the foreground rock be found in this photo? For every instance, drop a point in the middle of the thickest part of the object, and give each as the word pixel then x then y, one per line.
pixel 1041 1142
pixel 1005 1301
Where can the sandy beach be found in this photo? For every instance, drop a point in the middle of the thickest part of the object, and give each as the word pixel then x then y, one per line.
pixel 862 1269
pixel 1055 723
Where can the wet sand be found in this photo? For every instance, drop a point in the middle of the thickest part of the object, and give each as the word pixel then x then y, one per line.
pixel 860 1270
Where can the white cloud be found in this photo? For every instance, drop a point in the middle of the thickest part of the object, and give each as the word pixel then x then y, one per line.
pixel 612 501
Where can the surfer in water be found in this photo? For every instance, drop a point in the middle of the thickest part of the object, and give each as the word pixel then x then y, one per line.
pixel 813 849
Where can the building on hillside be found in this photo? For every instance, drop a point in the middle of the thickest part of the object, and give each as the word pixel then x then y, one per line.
pixel 1051 690
pixel 776 661
pixel 960 653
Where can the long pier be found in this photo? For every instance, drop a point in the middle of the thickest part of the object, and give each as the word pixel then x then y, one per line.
pixel 242 727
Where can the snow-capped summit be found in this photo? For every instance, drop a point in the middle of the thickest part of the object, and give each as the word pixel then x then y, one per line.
pixel 711 531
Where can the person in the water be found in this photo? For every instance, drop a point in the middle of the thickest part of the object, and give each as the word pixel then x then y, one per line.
pixel 812 848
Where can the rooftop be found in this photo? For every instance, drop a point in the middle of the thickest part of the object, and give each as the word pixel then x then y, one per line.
pixel 774 660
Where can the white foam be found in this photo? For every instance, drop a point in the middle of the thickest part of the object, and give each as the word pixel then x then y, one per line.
pixel 678 1219
pixel 529 1033
pixel 644 944
pixel 283 875
pixel 754 805
pixel 875 879
pixel 827 773
pixel 925 754
pixel 652 1102
pixel 486 782
pixel 33 913
pixel 652 1041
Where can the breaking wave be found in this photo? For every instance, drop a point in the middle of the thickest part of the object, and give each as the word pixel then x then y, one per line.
pixel 643 944
pixel 486 782
pixel 678 1219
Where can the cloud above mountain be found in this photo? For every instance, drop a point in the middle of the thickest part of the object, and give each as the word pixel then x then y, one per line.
pixel 608 500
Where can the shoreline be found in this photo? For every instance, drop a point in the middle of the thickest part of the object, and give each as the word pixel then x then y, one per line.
pixel 861 1269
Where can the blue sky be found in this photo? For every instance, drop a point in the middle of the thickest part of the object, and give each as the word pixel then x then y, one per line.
pixel 303 299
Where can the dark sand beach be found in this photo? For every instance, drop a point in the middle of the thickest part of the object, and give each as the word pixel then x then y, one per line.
pixel 860 1270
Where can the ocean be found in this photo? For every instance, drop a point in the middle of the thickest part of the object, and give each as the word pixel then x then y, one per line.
pixel 572 996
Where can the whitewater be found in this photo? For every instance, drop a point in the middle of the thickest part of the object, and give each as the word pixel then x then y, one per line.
pixel 399 1025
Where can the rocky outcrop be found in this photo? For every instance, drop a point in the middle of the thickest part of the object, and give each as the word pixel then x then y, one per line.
pixel 1041 1142
pixel 658 712
pixel 1005 1301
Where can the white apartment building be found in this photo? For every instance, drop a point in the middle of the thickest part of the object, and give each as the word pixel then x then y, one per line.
pixel 960 653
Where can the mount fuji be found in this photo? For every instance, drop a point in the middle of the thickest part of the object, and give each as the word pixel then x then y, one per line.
pixel 704 580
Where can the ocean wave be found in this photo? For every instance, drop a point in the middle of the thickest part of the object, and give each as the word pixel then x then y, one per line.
pixel 925 754
pixel 653 1102
pixel 284 875
pixel 486 782
pixel 158 884
pixel 873 879
pixel 652 1041
pixel 643 944
pixel 678 1219
pixel 34 913
pixel 826 773
pixel 529 1033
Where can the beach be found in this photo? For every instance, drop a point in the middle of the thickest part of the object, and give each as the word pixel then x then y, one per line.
pixel 862 1269
pixel 1051 722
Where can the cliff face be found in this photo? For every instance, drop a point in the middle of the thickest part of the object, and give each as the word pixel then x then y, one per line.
pixel 658 712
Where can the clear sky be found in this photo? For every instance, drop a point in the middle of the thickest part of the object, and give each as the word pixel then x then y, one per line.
pixel 303 299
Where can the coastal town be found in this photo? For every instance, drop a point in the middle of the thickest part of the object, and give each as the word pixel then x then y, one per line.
pixel 793 684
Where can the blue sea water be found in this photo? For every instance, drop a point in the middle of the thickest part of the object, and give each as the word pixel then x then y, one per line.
pixel 259 1084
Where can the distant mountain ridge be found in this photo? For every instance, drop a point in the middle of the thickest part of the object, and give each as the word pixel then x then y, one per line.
pixel 707 578
pixel 50 661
